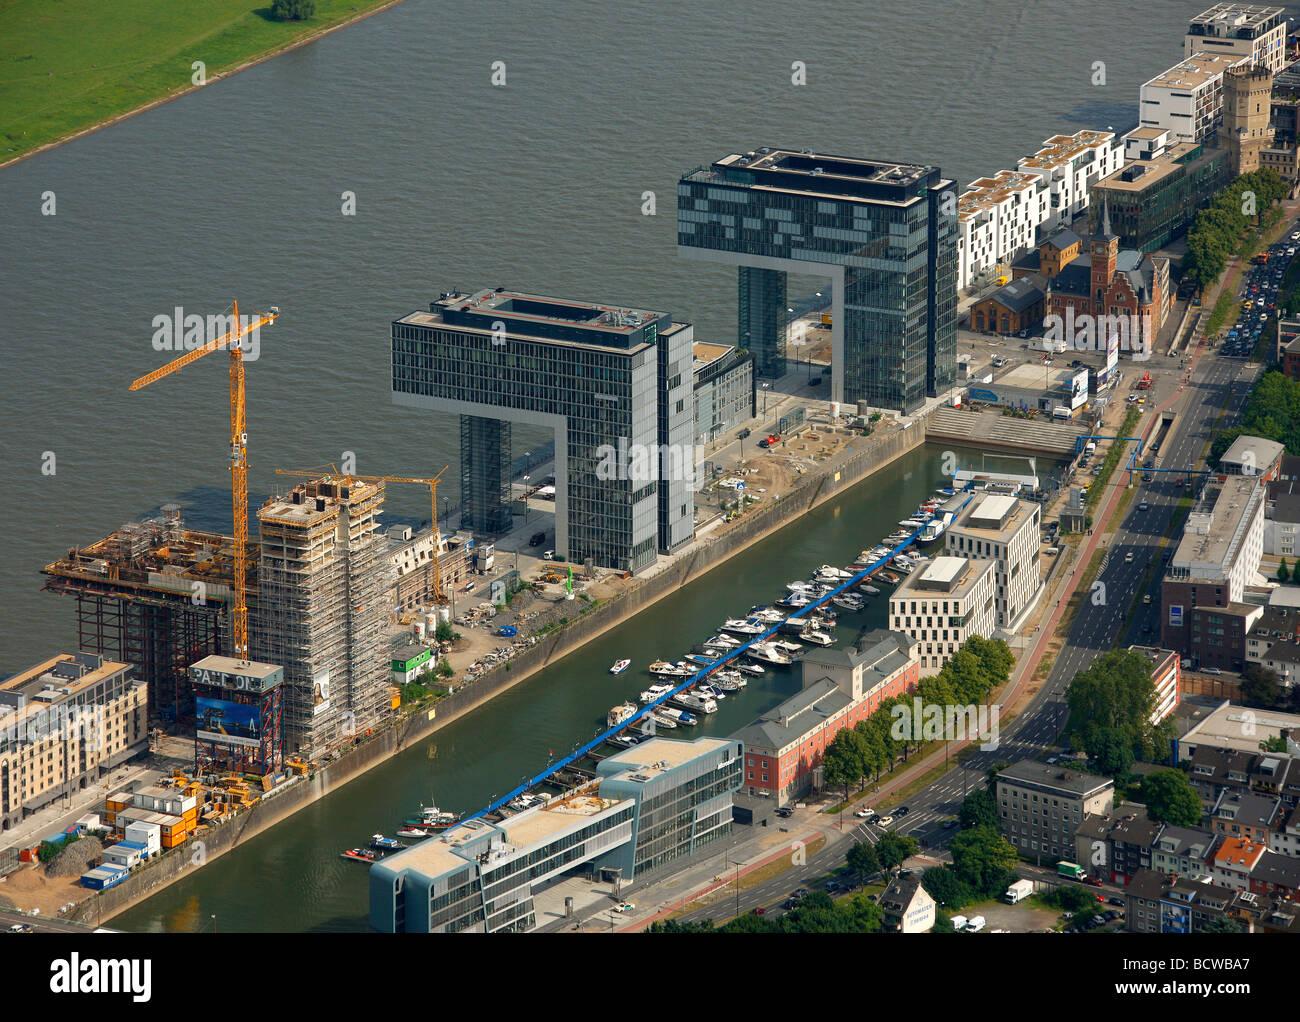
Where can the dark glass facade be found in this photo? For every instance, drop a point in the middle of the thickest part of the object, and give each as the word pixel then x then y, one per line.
pixel 1148 216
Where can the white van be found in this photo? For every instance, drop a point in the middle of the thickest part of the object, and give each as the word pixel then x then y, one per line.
pixel 959 922
pixel 975 925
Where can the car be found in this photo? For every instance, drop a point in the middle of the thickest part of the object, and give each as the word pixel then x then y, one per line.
pixel 901 811
pixel 549 555
pixel 1146 597
pixel 760 911
pixel 873 819
pixel 884 821
pixel 815 381
pixel 744 433
pixel 1128 557
pixel 1210 670
pixel 22 928
pixel 537 539
pixel 785 812
pixel 949 824
pixel 1116 901
pixel 1143 506
pixel 469 587
pixel 833 886
pixel 801 893
pixel 863 813
pixel 1179 481
pixel 625 906
pixel 764 443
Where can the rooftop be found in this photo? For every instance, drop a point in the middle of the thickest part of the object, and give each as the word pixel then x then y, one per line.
pixel 1139 175
pixel 955 577
pixel 1215 528
pixel 990 192
pixel 1257 452
pixel 315 501
pixel 1195 71
pixel 659 755
pixel 1047 775
pixel 1061 149
pixel 1230 20
pixel 993 516
pixel 1240 727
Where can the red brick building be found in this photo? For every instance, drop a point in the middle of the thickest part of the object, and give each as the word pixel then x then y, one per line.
pixel 783 749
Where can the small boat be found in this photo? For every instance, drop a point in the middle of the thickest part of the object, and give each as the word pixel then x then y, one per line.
pixel 625 741
pixel 362 855
pixel 620 666
pixel 768 654
pixel 911 524
pixel 526 801
pixel 889 577
pixel 766 614
pixel 725 641
pixel 828 572
pixel 787 647
pixel 729 681
pixel 816 638
pixel 849 602
pixel 619 714
pixel 903 564
pixel 690 701
pixel 934 528
pixel 415 832
pixel 795 600
pixel 710 691
pixel 663 721
pixel 431 818
pixel 385 844
pixel 800 587
pixel 943 491
pixel 753 669
pixel 663 669
pixel 701 659
pixel 655 693
pixel 680 716
pixel 746 627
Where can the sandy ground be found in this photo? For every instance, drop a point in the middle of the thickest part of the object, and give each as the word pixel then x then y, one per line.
pixel 29 888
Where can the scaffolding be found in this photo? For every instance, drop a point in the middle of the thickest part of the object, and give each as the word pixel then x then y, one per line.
pixel 154 595
pixel 324 576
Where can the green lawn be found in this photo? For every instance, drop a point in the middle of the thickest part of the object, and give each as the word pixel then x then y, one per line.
pixel 68 65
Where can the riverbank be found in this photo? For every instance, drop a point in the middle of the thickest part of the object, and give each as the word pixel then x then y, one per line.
pixel 94 65
pixel 859 461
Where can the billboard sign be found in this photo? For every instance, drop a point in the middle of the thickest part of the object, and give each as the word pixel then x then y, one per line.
pixel 220 720
pixel 1175 615
pixel 320 693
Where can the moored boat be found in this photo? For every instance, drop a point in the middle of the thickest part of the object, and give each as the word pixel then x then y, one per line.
pixel 385 844
pixel 754 669
pixel 362 855
pixel 747 627
pixel 655 692
pixel 664 669
pixel 691 701
pixel 681 716
pixel 619 714
pixel 620 666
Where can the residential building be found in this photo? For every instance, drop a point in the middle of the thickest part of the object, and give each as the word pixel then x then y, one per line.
pixel 1187 99
pixel 1154 198
pixel 1245 815
pixel 649 806
pixel 1286 839
pixel 783 748
pixel 1233 860
pixel 1166 674
pixel 883 234
pixel 1005 530
pixel 1276 876
pixel 1041 806
pixel 64 724
pixel 614 385
pixel 324 576
pixel 1183 851
pixel 726 392
pixel 414 556
pixel 907 906
pixel 1242 30
pixel 998 218
pixel 1116 844
pixel 1158 904
pixel 1202 593
pixel 1276 624
pixel 1247 115
pixel 1071 165
pixel 1288 346
pixel 1225 728
pixel 942 604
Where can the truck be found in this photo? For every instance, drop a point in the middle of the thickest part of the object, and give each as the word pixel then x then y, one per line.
pixel 826 319
pixel 975 925
pixel 1071 869
pixel 1018 891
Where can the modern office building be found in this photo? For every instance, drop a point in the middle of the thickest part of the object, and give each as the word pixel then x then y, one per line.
pixel 1154 198
pixel 648 806
pixel 883 233
pixel 1187 100
pixel 64 724
pixel 613 384
pixel 1253 456
pixel 726 392
pixel 1240 30
pixel 943 604
pixel 1004 530
pixel 326 577
pixel 1204 612
pixel 1041 806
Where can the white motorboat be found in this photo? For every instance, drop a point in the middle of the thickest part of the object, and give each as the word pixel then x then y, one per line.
pixel 848 601
pixel 935 528
pixel 869 590
pixel 767 615
pixel 655 692
pixel 619 714
pixel 767 653
pixel 911 524
pixel 754 669
pixel 795 601
pixel 800 587
pixel 787 647
pixel 902 563
pixel 698 703
pixel 663 721
pixel 725 641
pixel 663 669
pixel 710 691
pixel 680 716
pixel 816 638
pixel 746 627
pixel 620 666
pixel 828 573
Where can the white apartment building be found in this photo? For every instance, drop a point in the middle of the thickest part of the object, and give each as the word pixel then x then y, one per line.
pixel 1071 165
pixel 1242 30
pixel 943 604
pixel 1187 99
pixel 1223 538
pixel 998 219
pixel 1004 530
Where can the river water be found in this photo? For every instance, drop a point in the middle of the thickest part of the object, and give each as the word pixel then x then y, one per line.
pixel 236 191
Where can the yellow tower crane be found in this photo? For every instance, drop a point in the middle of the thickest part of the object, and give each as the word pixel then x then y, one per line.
pixel 238 452
pixel 333 473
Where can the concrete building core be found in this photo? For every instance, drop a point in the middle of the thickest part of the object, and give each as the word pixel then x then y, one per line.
pixel 614 385
pixel 883 233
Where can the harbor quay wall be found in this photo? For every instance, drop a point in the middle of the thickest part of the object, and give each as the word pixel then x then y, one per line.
pixel 583 625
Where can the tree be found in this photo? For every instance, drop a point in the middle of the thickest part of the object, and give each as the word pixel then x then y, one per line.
pixel 1283 575
pixel 292 10
pixel 1170 798
pixel 863 860
pixel 445 633
pixel 980 809
pixel 1112 750
pixel 984 860
pixel 895 849
pixel 1222 924
pixel 1261 687
pixel 943 885
pixel 844 762
pixel 1275 744
pixel 1115 691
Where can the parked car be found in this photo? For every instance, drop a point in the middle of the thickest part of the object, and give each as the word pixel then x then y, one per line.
pixel 1210 670
pixel 744 433
pixel 625 906
pixel 538 538
pixel 1116 901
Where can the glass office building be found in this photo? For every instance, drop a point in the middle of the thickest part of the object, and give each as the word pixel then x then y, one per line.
pixel 648 806
pixel 614 386
pixel 885 234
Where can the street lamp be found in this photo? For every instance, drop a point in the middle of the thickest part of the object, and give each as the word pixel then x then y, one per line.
pixel 766 388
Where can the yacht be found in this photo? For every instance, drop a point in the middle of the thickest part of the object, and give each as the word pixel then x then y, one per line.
pixel 816 638
pixel 691 701
pixel 766 614
pixel 711 692
pixel 655 692
pixel 911 524
pixel 663 669
pixel 700 659
pixel 768 654
pixel 663 720
pixel 746 627
pixel 680 716
pixel 787 647
pixel 849 601
pixel 902 563
pixel 619 714
pixel 890 577
pixel 868 589
pixel 934 528
pixel 620 666
pixel 725 641
pixel 729 681
pixel 754 669
pixel 828 573
pixel 800 587
pixel 795 601
pixel 527 800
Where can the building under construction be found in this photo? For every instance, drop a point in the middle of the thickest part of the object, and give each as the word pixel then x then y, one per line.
pixel 325 575
pixel 157 596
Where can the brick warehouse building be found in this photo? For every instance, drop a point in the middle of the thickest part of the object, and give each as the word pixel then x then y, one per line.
pixel 783 749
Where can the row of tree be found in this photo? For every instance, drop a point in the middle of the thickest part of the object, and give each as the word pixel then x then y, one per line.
pixel 875 744
pixel 1272 411
pixel 1218 230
